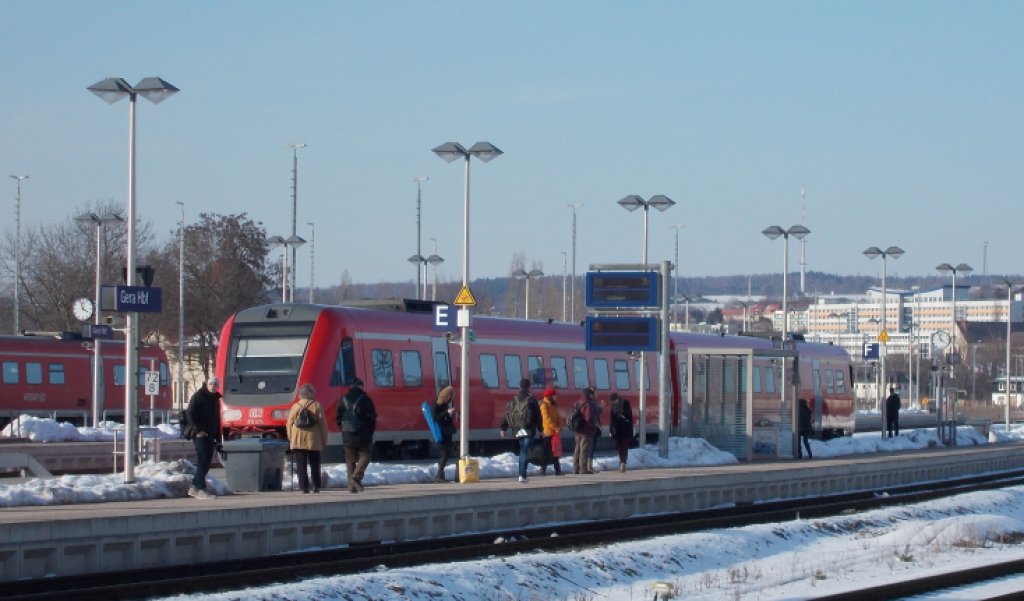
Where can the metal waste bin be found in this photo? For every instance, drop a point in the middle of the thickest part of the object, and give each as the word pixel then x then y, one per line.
pixel 254 464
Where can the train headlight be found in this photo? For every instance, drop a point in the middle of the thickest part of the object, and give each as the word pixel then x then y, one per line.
pixel 231 415
pixel 280 414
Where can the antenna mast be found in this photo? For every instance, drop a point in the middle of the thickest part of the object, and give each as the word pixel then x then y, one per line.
pixel 803 241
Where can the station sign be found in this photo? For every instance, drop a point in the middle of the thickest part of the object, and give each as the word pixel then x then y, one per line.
pixel 870 351
pixel 622 333
pixel 152 383
pixel 623 289
pixel 98 331
pixel 130 299
pixel 444 318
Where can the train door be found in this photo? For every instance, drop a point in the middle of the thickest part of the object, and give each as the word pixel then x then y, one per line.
pixel 442 367
pixel 818 401
pixel 680 402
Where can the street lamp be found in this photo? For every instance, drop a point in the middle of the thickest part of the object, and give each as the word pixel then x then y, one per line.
pixel 772 232
pixel 521 274
pixel 293 242
pixel 418 258
pixel 312 258
pixel 572 285
pixel 631 203
pixel 181 307
pixel 895 252
pixel 17 255
pixel 111 90
pixel 675 280
pixel 295 211
pixel 1010 287
pixel 433 260
pixel 945 268
pixel 450 151
pixel 99 222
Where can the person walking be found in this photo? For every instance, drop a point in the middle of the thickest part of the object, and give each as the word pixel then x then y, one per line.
pixel 620 427
pixel 804 430
pixel 307 436
pixel 553 422
pixel 522 415
pixel 444 415
pixel 585 429
pixel 203 414
pixel 356 418
pixel 892 413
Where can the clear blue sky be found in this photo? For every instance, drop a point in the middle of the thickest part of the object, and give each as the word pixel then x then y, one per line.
pixel 903 120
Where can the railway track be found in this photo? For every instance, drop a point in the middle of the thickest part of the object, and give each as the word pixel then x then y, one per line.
pixel 235 574
pixel 932 584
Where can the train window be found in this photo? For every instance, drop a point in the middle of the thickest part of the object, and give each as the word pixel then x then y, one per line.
pixel 647 376
pixel 489 370
pixel 10 372
pixel 165 375
pixel 344 371
pixel 383 367
pixel 536 366
pixel 829 386
pixel 741 376
pixel 269 356
pixel 560 377
pixel 601 380
pixel 513 371
pixel 441 370
pixel 757 379
pixel 412 369
pixel 769 378
pixel 729 375
pixel 580 376
pixel 621 374
pixel 840 382
pixel 33 373
pixel 56 373
pixel 119 375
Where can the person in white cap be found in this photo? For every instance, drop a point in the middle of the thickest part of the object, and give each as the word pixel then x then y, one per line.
pixel 204 416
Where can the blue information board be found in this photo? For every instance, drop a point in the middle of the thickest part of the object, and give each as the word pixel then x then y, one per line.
pixel 622 333
pixel 623 289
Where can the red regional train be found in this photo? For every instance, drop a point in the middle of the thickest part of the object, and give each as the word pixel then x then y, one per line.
pixel 267 352
pixel 51 376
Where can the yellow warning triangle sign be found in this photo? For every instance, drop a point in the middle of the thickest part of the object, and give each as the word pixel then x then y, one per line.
pixel 465 298
pixel 883 337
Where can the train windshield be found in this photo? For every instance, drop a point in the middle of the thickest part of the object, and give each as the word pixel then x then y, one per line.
pixel 269 356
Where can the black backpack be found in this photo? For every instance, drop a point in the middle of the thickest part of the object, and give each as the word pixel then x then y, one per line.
pixel 575 421
pixel 351 421
pixel 306 419
pixel 518 414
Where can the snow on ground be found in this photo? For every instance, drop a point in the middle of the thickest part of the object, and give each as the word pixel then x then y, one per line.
pixel 791 560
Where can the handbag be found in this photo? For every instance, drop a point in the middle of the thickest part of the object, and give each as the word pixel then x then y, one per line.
pixel 556 445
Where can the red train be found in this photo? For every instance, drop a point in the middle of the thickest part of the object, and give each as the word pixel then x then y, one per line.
pixel 51 376
pixel 266 352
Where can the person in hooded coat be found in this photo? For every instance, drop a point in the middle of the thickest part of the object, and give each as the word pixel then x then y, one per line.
pixel 307 443
pixel 553 422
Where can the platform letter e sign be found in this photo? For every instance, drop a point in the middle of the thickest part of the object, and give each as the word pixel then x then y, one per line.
pixel 444 318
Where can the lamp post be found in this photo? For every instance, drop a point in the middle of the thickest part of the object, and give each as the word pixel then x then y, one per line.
pixel 295 213
pixel 914 328
pixel 772 232
pixel 156 91
pixel 631 203
pixel 418 258
pixel 450 151
pixel 1010 287
pixel 572 284
pixel 945 268
pixel 675 280
pixel 434 260
pixel 895 252
pixel 274 242
pixel 312 258
pixel 522 274
pixel 99 222
pixel 564 271
pixel 17 255
pixel 181 307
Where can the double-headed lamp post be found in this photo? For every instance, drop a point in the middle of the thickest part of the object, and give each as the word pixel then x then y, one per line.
pixel 1010 288
pixel 17 255
pixel 433 260
pixel 450 151
pixel 895 252
pixel 772 232
pixel 293 242
pixel 964 269
pixel 418 259
pixel 156 91
pixel 522 274
pixel 631 203
pixel 99 222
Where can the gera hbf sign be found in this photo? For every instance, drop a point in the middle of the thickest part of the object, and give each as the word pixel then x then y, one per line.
pixel 130 299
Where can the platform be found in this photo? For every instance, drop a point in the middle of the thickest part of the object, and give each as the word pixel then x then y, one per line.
pixel 36 542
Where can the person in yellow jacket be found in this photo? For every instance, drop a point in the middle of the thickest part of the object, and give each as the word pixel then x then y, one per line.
pixel 553 422
pixel 307 436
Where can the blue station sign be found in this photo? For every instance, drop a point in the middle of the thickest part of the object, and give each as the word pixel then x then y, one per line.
pixel 130 299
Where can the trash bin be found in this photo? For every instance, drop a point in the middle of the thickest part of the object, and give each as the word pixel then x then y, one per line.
pixel 254 464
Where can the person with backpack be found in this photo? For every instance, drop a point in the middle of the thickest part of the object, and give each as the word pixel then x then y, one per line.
pixel 522 415
pixel 444 415
pixel 553 422
pixel 584 422
pixel 620 426
pixel 203 417
pixel 356 418
pixel 307 436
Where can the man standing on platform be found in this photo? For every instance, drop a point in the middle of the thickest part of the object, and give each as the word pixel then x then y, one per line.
pixel 204 417
pixel 892 413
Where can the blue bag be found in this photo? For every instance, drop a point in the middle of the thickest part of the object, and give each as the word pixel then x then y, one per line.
pixel 428 414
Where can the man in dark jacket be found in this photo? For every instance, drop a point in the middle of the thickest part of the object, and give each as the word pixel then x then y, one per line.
pixel 804 429
pixel 892 413
pixel 522 415
pixel 203 414
pixel 357 420
pixel 582 456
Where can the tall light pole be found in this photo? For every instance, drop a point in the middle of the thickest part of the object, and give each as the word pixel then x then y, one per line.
pixel 1010 287
pixel 914 328
pixel 287 271
pixel 564 271
pixel 572 283
pixel 450 151
pixel 295 213
pixel 312 258
pixel 181 307
pixel 895 252
pixel 418 259
pixel 675 280
pixel 156 91
pixel 433 260
pixel 99 222
pixel 945 268
pixel 522 274
pixel 631 203
pixel 17 255
pixel 772 232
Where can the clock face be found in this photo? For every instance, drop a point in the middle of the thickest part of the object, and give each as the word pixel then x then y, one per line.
pixel 82 308
pixel 942 339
